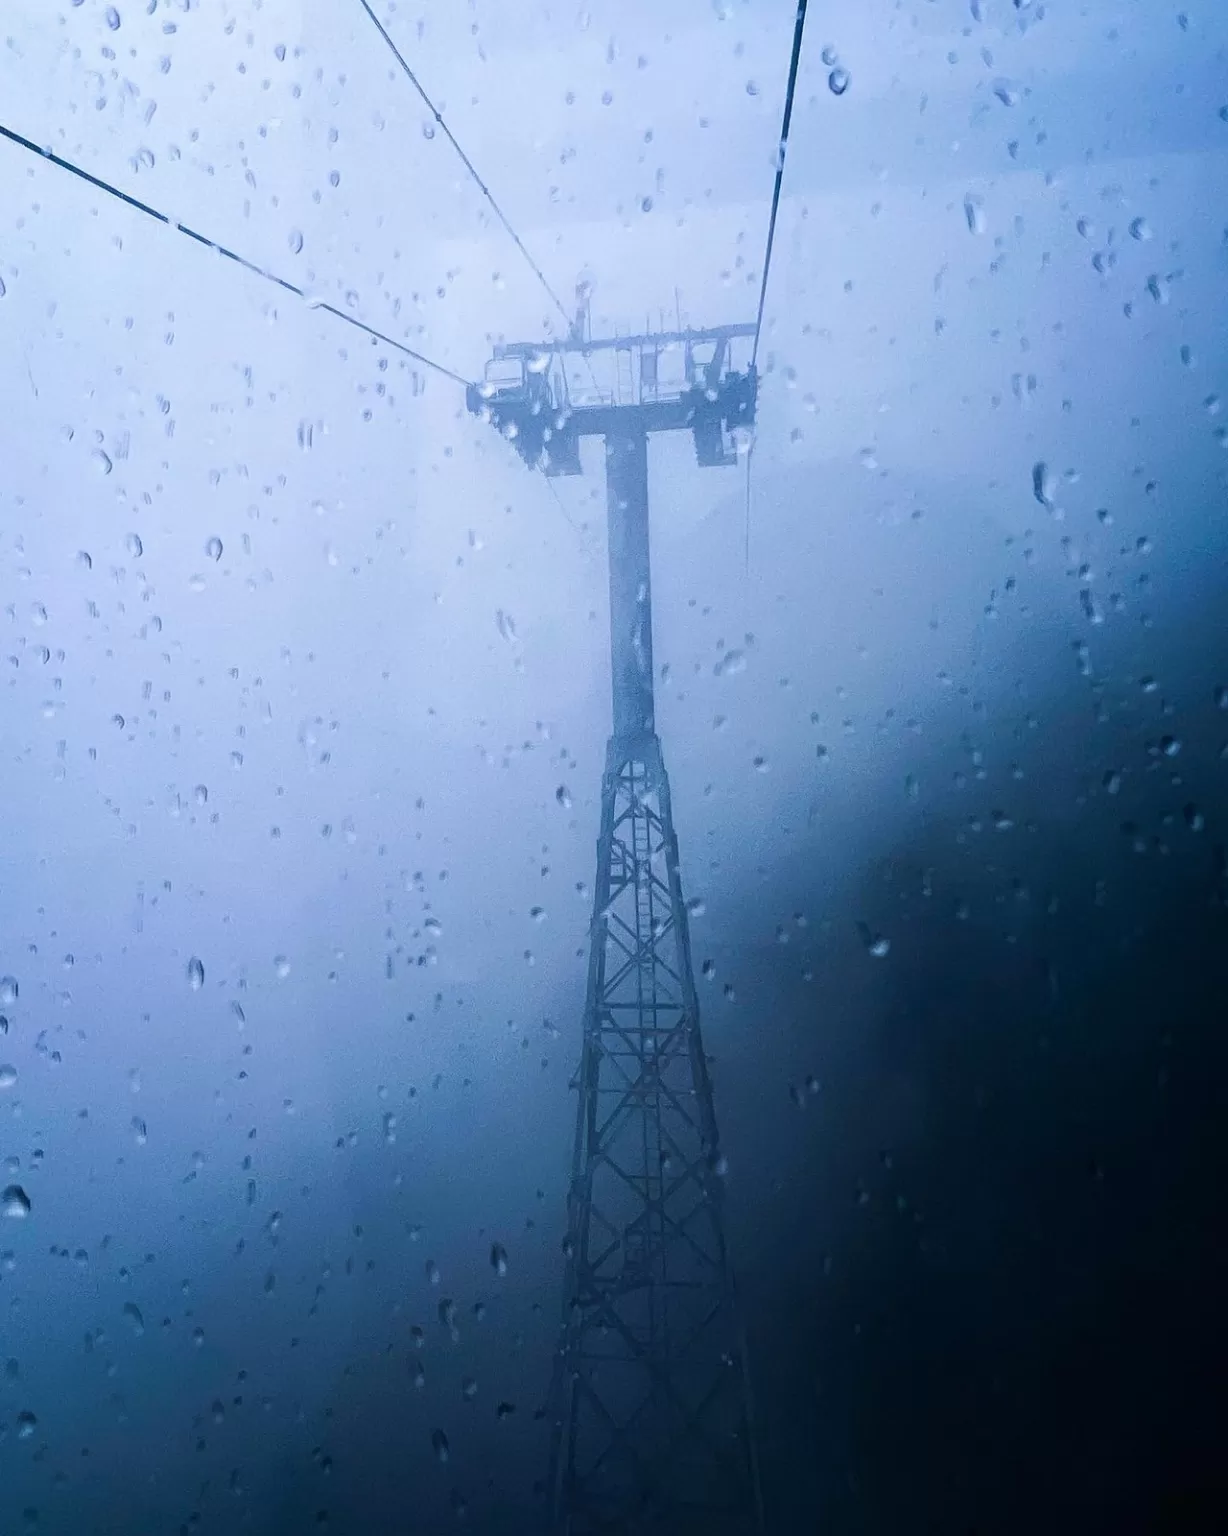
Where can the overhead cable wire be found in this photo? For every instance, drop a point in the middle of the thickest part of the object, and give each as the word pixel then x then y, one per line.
pixel 798 29
pixel 465 160
pixel 162 218
pixel 749 454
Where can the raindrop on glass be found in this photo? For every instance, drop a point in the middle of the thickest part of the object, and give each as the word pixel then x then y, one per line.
pixel 8 990
pixel 498 1259
pixel 214 548
pixel 8 1076
pixel 196 974
pixel 1043 484
pixel 838 81
pixel 15 1203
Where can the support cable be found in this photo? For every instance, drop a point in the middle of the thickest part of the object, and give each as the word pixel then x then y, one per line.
pixel 465 160
pixel 798 29
pixel 281 282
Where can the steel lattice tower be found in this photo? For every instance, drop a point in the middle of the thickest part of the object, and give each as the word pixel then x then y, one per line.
pixel 650 1410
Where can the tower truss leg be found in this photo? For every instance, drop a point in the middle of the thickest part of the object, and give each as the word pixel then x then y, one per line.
pixel 651 1426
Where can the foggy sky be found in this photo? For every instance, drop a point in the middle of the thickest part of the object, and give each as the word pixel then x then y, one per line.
pixel 320 765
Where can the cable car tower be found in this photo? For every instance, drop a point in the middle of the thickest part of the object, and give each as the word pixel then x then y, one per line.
pixel 651 1415
pixel 651 1419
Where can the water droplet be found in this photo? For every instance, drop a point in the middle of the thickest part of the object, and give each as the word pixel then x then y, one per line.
pixel 26 1425
pixel 112 18
pixel 8 1076
pixel 1006 93
pixel 563 795
pixel 282 966
pixel 709 969
pixel 103 460
pixel 133 1313
pixel 139 1130
pixel 1140 229
pixel 974 214
pixel 730 663
pixel 428 130
pixel 878 944
pixel 507 626
pixel 505 1410
pixel 752 88
pixel 85 559
pixel 1170 746
pixel 8 990
pixel 829 55
pixel 196 974
pixel 1194 819
pixel 1112 782
pixel 838 81
pixel 201 794
pixel 15 1203
pixel 295 240
pixel 439 1445
pixel 214 548
pixel 1221 697
pixel 1043 483
pixel 498 1259
pixel 135 548
pixel 697 906
pixel 469 1389
pixel 432 1272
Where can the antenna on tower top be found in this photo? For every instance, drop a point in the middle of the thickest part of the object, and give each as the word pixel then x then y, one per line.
pixel 581 327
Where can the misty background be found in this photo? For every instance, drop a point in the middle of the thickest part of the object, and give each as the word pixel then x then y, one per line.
pixel 298 656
